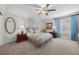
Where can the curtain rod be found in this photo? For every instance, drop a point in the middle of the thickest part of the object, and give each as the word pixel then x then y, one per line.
pixel 74 14
pixel 67 16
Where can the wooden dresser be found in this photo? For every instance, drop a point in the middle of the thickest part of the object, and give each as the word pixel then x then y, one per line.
pixel 21 37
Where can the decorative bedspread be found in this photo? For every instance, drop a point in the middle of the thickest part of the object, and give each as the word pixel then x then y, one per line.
pixel 39 38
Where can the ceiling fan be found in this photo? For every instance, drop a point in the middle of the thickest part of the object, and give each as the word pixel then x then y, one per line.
pixel 44 9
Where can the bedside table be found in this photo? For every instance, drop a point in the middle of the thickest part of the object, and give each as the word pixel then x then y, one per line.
pixel 54 34
pixel 21 37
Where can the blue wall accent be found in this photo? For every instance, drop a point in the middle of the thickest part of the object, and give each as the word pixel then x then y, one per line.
pixel 74 27
pixel 57 24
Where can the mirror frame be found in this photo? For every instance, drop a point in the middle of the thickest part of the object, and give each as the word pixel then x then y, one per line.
pixel 6 25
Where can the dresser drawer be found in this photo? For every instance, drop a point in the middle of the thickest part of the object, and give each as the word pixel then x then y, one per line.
pixel 22 37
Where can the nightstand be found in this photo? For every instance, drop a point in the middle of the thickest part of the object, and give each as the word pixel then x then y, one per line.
pixel 54 34
pixel 21 37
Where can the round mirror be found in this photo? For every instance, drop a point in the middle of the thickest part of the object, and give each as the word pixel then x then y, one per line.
pixel 10 25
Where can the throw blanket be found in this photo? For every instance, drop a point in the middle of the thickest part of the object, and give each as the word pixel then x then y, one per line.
pixel 39 38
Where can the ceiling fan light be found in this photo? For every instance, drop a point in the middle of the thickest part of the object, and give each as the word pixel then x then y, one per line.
pixel 43 12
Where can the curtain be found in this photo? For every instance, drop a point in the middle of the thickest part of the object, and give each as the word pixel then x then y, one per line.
pixel 74 28
pixel 57 24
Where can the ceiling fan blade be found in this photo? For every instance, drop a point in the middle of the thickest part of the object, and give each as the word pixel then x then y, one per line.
pixel 46 13
pixel 51 10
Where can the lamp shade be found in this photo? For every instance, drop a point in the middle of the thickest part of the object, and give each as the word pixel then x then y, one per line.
pixel 22 27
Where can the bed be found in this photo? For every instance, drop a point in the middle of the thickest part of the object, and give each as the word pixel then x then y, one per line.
pixel 40 38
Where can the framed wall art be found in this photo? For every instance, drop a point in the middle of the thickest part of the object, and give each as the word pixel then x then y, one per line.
pixel 49 25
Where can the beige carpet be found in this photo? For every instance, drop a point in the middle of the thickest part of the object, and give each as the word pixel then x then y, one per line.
pixel 54 47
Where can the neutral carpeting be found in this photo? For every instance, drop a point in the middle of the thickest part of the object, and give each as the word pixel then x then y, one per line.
pixel 54 47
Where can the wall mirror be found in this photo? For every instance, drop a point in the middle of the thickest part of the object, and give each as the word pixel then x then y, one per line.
pixel 10 25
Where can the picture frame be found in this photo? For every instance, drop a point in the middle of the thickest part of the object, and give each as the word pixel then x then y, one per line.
pixel 49 25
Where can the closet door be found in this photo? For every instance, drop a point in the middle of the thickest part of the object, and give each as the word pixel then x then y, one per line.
pixel 65 27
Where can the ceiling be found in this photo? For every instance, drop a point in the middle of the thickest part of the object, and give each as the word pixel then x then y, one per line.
pixel 29 10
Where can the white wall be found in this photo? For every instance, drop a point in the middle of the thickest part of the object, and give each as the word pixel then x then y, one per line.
pixel 1 31
pixel 2 10
pixel 12 37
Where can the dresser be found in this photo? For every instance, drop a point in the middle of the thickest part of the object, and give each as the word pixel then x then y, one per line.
pixel 21 37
